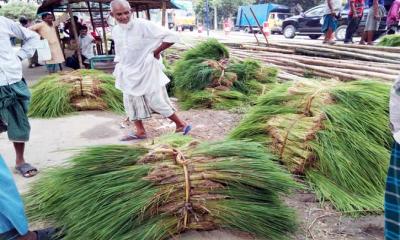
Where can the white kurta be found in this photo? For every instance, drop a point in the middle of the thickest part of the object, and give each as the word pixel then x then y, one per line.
pixel 137 72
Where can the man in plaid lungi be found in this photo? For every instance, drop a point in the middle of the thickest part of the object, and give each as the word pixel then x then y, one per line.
pixel 392 194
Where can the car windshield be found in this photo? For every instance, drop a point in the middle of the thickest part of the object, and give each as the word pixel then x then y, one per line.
pixel 318 11
pixel 283 16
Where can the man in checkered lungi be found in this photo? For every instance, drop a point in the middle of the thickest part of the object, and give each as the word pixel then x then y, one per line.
pixel 392 194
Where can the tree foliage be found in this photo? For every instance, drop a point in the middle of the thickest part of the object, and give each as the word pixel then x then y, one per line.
pixel 14 10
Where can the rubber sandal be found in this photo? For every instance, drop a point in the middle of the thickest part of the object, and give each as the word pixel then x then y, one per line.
pixel 132 137
pixel 26 170
pixel 187 129
pixel 45 234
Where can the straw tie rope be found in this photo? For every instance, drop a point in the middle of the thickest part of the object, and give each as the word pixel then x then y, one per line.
pixel 307 113
pixel 188 208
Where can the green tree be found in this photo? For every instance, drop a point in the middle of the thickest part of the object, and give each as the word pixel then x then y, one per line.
pixel 14 10
pixel 225 8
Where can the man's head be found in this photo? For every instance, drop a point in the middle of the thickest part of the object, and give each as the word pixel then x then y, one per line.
pixel 24 21
pixel 83 31
pixel 48 18
pixel 121 11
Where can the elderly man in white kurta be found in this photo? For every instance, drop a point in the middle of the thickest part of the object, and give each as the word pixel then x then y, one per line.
pixel 139 70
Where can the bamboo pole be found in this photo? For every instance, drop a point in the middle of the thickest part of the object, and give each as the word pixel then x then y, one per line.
pixel 251 28
pixel 103 28
pixel 164 13
pixel 148 12
pixel 259 25
pixel 75 32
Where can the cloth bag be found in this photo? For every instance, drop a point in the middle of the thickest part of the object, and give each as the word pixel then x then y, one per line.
pixel 43 50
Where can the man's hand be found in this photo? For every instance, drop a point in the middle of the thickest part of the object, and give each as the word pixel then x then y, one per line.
pixel 157 55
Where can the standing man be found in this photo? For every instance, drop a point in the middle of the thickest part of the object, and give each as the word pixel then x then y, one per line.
pixel 47 29
pixel 355 16
pixel 139 70
pixel 86 43
pixel 14 93
pixel 392 193
pixel 373 20
pixel 330 19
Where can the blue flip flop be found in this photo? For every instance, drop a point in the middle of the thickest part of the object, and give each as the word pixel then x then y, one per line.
pixel 187 129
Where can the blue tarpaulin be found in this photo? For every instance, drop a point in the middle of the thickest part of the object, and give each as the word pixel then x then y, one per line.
pixel 182 4
pixel 261 11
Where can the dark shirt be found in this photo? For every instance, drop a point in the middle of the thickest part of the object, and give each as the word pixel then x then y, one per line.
pixel 371 2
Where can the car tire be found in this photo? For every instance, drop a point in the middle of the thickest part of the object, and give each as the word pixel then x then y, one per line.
pixel 340 33
pixel 289 31
pixel 314 37
pixel 191 28
pixel 247 30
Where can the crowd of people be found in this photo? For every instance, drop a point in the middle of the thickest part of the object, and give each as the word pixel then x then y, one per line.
pixel 357 8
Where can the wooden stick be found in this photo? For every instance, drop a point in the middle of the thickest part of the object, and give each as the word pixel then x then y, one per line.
pixel 75 32
pixel 164 11
pixel 103 28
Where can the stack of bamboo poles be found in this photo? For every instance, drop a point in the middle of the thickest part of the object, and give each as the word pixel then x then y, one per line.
pixel 342 62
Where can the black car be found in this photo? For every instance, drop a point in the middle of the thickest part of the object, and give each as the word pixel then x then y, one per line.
pixel 309 23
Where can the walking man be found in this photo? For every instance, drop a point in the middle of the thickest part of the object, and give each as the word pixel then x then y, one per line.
pixel 330 19
pixel 14 93
pixel 139 70
pixel 47 29
pixel 354 19
pixel 392 194
pixel 373 20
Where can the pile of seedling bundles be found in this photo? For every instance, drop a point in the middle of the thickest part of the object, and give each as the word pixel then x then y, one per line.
pixel 205 77
pixel 335 134
pixel 62 93
pixel 158 191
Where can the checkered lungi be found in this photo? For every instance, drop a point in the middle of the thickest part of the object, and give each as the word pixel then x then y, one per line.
pixel 392 196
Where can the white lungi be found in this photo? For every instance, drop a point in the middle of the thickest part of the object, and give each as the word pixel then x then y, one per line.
pixel 141 107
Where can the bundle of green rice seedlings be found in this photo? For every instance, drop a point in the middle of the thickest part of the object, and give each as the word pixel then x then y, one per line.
pixel 390 41
pixel 159 191
pixel 60 94
pixel 209 49
pixel 335 134
pixel 214 99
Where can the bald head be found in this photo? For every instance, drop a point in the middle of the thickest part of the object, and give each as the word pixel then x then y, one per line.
pixel 121 11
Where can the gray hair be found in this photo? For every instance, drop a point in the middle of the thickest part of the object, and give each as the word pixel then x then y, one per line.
pixel 124 3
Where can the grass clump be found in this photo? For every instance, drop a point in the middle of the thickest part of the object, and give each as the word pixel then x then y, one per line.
pixel 335 134
pixel 205 77
pixel 60 94
pixel 142 191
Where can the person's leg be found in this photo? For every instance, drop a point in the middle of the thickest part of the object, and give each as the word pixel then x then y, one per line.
pixel 180 125
pixel 392 191
pixel 19 152
pixel 140 130
pixel 370 37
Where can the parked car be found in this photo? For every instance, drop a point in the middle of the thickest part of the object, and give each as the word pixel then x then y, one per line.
pixel 275 21
pixel 309 23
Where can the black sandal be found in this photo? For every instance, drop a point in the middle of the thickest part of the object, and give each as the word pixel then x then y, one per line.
pixel 26 170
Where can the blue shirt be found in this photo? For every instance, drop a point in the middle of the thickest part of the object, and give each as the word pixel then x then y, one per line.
pixel 12 212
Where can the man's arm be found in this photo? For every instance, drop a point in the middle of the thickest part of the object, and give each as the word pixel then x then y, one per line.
pixel 353 8
pixel 162 47
pixel 330 6
pixel 29 37
pixel 376 8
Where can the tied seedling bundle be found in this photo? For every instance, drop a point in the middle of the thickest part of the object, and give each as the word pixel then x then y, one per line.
pixel 205 77
pixel 335 134
pixel 63 93
pixel 390 41
pixel 159 191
